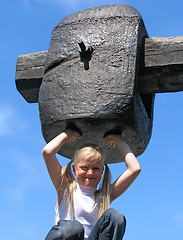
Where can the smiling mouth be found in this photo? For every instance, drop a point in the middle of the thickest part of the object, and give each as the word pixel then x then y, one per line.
pixel 89 178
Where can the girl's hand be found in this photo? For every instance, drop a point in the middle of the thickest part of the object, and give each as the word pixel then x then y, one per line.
pixel 72 135
pixel 112 140
pixel 133 167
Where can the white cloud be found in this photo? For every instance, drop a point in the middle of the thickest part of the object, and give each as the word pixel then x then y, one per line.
pixel 178 219
pixel 6 119
pixel 67 4
pixel 28 230
pixel 71 4
pixel 9 121
pixel 25 174
pixel 26 4
pixel 15 194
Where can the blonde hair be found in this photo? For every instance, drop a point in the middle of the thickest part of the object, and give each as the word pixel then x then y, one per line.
pixel 68 184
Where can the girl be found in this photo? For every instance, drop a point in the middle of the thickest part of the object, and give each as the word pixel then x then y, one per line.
pixel 82 210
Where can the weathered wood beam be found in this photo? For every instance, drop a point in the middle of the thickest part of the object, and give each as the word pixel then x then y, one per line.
pixel 29 74
pixel 163 51
pixel 163 71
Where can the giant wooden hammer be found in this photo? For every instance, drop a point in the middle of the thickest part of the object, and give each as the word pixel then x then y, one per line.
pixel 97 77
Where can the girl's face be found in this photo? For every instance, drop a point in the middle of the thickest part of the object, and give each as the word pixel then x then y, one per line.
pixel 88 171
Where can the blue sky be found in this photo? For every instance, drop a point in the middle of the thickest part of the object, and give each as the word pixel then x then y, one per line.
pixel 153 205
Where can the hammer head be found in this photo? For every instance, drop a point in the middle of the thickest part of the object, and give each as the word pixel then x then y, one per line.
pixel 90 80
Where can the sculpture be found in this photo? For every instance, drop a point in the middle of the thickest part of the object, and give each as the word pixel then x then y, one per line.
pixel 100 76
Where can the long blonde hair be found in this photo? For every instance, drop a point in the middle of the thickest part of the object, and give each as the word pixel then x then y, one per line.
pixel 68 183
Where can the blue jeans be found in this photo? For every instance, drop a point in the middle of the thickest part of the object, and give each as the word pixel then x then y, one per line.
pixel 110 226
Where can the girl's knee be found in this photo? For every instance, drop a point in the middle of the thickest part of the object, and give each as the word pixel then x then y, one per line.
pixel 116 217
pixel 72 228
pixel 78 227
pixel 66 230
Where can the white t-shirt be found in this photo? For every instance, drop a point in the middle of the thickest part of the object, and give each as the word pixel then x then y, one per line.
pixel 85 209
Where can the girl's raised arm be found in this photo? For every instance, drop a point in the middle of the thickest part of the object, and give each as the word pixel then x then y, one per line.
pixel 49 151
pixel 133 166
